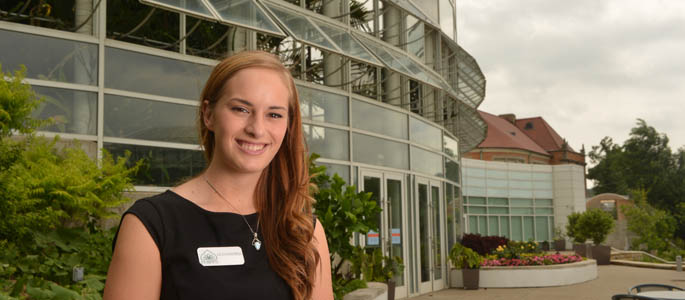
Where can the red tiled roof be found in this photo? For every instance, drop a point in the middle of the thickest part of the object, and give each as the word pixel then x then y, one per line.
pixel 503 134
pixel 542 133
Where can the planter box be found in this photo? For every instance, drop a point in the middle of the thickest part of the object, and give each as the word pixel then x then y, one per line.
pixel 530 276
pixel 560 245
pixel 582 250
pixel 470 278
pixel 602 254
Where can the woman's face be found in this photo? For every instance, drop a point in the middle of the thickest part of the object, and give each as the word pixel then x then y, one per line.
pixel 249 120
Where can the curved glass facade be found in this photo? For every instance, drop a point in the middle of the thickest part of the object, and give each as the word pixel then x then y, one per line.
pixel 388 98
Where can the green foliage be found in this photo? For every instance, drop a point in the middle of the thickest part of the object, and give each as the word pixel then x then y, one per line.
pixel 644 162
pixel 342 212
pixel 463 257
pixel 653 227
pixel 17 101
pixel 593 224
pixel 572 229
pixel 374 266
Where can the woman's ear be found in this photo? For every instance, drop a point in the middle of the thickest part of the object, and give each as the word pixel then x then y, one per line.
pixel 207 115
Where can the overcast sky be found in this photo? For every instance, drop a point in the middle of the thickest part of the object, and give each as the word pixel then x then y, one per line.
pixel 588 67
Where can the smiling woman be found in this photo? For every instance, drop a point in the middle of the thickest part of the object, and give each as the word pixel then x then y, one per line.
pixel 246 222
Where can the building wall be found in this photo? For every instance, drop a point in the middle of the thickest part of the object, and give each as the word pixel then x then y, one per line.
pixel 569 192
pixel 508 154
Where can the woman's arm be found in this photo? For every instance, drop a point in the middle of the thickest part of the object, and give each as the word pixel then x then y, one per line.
pixel 323 286
pixel 135 272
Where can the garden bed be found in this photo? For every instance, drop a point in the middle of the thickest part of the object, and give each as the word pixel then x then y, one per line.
pixel 531 275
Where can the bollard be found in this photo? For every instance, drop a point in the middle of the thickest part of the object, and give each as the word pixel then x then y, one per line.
pixel 679 263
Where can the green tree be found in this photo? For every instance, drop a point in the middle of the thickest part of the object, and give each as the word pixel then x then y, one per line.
pixel 654 228
pixel 644 162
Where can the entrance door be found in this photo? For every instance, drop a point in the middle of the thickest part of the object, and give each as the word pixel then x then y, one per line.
pixel 388 191
pixel 429 234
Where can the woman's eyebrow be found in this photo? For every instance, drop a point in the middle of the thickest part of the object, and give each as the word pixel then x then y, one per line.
pixel 248 103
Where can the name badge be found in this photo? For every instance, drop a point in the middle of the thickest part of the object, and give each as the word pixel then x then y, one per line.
pixel 220 256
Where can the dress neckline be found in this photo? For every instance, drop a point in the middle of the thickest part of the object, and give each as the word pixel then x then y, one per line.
pixel 193 204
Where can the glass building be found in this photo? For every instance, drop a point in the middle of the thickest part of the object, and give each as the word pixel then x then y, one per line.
pixel 388 97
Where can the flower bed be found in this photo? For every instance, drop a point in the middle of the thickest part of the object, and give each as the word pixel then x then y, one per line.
pixel 537 260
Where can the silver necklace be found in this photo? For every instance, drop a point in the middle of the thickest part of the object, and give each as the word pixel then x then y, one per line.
pixel 256 243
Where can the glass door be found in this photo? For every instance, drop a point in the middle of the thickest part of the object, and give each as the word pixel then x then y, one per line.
pixel 429 231
pixel 387 189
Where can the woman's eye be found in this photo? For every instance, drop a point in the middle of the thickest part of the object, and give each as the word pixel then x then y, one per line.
pixel 240 109
pixel 275 115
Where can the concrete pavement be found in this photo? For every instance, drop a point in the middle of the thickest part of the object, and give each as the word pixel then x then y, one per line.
pixel 611 280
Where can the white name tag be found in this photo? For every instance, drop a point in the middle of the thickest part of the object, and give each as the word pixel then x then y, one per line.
pixel 220 256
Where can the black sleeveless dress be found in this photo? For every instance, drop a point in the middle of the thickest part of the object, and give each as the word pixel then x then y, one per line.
pixel 179 227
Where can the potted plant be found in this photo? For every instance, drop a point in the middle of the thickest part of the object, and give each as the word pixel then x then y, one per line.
pixel 559 239
pixel 469 262
pixel 392 268
pixel 596 225
pixel 374 266
pixel 578 236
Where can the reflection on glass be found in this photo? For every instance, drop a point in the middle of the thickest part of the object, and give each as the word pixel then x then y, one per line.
pixel 153 74
pixel 381 51
pixel 327 142
pixel 373 185
pixel 426 162
pixel 544 211
pixel 377 119
pixel 450 217
pixel 394 194
pixel 498 210
pixel 437 233
pixel 521 211
pixel 451 170
pixel 482 225
pixel 498 201
pixel 342 170
pixel 543 202
pixel 162 166
pixel 135 118
pixel 541 229
pixel 375 151
pixel 194 6
pixel 447 18
pixel 424 247
pixel 516 229
pixel 300 27
pixel 528 228
pixel 493 225
pixel 71 111
pixel 415 37
pixel 425 134
pixel 322 106
pixel 245 13
pixel 346 43
pixel 450 147
pixel 49 58
pixel 504 226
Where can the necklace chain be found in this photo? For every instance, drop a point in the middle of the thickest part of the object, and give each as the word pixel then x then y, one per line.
pixel 255 240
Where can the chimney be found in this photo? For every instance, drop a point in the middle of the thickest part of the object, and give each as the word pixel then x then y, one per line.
pixel 509 117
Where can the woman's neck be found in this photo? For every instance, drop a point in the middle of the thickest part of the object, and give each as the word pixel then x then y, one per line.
pixel 236 188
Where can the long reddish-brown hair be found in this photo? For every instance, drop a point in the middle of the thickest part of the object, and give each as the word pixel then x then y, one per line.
pixel 282 194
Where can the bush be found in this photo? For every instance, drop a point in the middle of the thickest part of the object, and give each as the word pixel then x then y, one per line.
pixel 483 245
pixel 464 257
pixel 596 225
pixel 572 229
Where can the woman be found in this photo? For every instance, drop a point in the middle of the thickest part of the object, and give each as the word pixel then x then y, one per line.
pixel 244 228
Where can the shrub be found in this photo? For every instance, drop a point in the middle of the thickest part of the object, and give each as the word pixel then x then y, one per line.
pixel 464 257
pixel 573 230
pixel 483 245
pixel 596 225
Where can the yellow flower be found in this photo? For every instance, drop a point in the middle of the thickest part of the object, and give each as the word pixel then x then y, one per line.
pixel 521 247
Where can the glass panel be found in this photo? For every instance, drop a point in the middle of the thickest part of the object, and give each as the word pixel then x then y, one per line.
pixel 327 142
pixel 516 229
pixel 163 166
pixel 519 175
pixel 521 211
pixel 375 151
pixel 451 170
pixel 415 37
pixel 543 202
pixel 542 185
pixel 543 194
pixel 322 106
pixel 394 194
pixel 493 225
pixel 497 174
pixel 475 191
pixel 477 209
pixel 541 229
pixel 300 27
pixel 475 172
pixel 521 202
pixel 49 58
pixel 544 211
pixel 483 225
pixel 498 210
pixel 498 201
pixel 373 185
pixel 426 162
pixel 450 147
pixel 135 118
pixel 377 119
pixel 425 134
pixel 437 233
pixel 380 51
pixel 154 75
pixel 447 18
pixel 244 13
pixel 542 176
pixel 424 227
pixel 498 192
pixel 194 6
pixel 521 193
pixel 473 224
pixel 520 184
pixel 528 228
pixel 346 43
pixel 450 206
pixel 476 200
pixel 342 170
pixel 501 183
pixel 504 226
pixel 71 111
pixel 473 181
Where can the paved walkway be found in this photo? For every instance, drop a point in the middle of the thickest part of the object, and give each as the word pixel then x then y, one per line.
pixel 611 280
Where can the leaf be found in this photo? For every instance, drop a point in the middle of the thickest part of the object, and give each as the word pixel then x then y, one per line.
pixel 62 293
